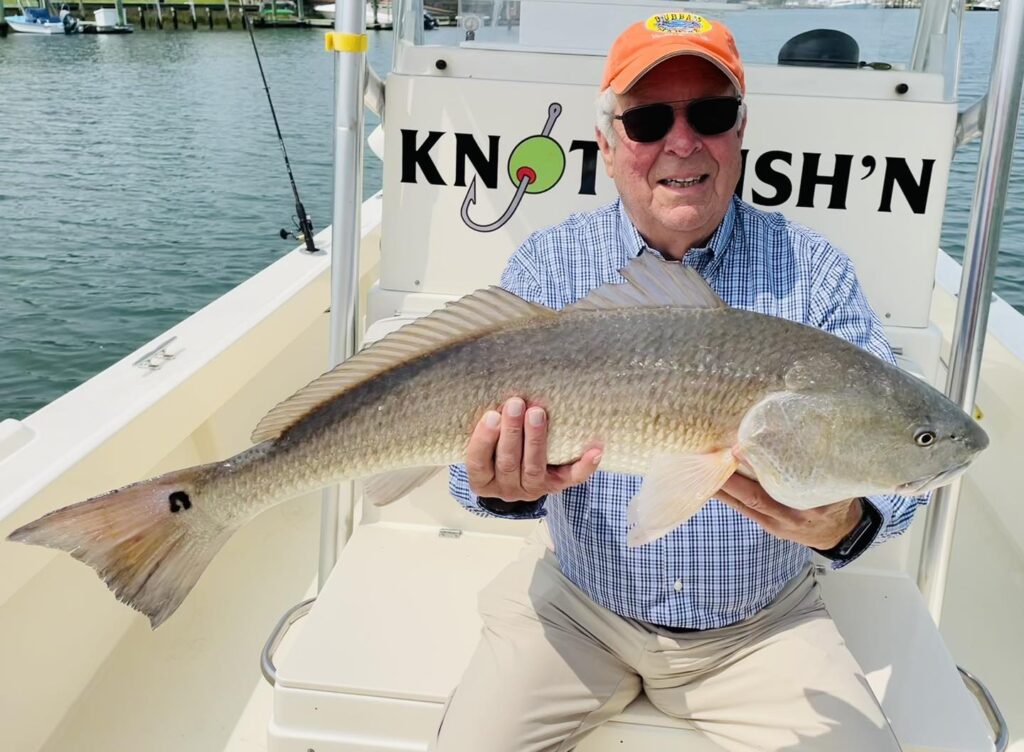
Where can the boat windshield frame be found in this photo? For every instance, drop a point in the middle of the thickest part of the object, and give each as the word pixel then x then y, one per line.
pixel 937 44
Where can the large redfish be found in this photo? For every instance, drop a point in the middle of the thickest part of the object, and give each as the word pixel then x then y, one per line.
pixel 677 386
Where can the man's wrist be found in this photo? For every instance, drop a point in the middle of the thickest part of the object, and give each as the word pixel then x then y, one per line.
pixel 854 543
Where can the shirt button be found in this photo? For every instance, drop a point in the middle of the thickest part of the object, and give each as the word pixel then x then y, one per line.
pixel 678 586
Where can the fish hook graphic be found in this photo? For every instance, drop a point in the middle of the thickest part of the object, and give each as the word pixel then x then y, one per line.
pixel 554 110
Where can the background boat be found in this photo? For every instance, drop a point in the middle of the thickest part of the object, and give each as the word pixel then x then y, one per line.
pixel 378 17
pixel 41 21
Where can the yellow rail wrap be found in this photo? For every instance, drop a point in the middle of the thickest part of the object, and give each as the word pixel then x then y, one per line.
pixel 338 42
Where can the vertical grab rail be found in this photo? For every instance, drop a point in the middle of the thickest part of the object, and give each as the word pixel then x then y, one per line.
pixel 349 72
pixel 356 86
pixel 982 247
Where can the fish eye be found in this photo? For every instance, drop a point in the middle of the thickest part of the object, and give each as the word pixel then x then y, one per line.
pixel 924 437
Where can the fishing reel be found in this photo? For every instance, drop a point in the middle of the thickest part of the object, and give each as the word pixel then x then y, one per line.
pixel 302 232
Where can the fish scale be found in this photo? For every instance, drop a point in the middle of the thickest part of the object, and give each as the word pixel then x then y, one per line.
pixel 638 380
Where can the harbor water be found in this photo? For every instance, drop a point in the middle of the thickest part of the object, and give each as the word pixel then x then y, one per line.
pixel 140 176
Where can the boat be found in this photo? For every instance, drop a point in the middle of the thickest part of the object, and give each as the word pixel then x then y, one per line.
pixel 279 14
pixel 377 18
pixel 381 14
pixel 41 21
pixel 985 5
pixel 361 619
pixel 278 10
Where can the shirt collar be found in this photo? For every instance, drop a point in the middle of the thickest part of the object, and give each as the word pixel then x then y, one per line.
pixel 634 244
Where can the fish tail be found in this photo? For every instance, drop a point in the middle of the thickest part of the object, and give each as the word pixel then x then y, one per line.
pixel 149 541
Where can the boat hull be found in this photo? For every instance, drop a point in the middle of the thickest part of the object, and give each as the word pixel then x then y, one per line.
pixel 18 23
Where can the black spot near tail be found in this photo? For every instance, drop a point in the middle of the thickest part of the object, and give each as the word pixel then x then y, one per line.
pixel 179 501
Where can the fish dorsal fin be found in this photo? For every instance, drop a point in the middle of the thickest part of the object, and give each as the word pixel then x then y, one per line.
pixel 653 283
pixel 473 315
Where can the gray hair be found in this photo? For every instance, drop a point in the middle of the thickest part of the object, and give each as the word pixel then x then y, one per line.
pixel 605 106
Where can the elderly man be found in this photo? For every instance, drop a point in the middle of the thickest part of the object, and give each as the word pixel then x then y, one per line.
pixel 719 622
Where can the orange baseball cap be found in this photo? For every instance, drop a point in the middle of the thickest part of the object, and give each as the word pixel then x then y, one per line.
pixel 647 43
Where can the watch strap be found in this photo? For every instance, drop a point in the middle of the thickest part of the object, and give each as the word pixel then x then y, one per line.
pixel 514 510
pixel 857 540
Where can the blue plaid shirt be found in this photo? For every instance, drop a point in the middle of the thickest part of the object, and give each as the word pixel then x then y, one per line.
pixel 720 567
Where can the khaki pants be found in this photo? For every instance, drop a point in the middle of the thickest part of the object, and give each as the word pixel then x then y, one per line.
pixel 552 665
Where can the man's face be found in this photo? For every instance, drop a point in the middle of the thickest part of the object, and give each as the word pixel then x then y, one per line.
pixel 656 180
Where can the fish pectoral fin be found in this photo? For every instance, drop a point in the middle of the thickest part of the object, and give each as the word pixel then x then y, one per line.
pixel 674 489
pixel 387 487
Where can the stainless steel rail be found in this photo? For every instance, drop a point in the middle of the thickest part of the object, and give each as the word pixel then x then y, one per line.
pixel 1001 113
pixel 930 39
pixel 349 93
pixel 989 707
pixel 291 616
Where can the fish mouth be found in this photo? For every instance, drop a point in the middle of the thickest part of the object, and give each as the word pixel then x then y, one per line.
pixel 930 482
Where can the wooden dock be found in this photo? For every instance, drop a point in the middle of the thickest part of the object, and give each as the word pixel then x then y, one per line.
pixel 219 14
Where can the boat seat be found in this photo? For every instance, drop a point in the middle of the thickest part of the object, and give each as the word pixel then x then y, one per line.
pixel 394 626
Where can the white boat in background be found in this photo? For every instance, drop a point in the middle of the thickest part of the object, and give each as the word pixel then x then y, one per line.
pixel 40 21
pixel 387 618
pixel 381 18
pixel 383 13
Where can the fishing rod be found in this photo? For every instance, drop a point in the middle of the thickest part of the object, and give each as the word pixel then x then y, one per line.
pixel 305 224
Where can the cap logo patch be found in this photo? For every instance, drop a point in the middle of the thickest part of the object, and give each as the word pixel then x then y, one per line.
pixel 678 23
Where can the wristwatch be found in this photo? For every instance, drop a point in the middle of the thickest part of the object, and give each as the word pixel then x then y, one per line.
pixel 515 510
pixel 857 540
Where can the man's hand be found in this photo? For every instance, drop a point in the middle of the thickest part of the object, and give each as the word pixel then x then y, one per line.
pixel 821 527
pixel 507 456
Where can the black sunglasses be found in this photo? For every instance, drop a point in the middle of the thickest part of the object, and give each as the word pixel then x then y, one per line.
pixel 708 116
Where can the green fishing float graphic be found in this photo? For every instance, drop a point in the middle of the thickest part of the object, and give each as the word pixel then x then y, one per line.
pixel 536 165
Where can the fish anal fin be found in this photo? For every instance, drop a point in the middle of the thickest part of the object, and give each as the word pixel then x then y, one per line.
pixel 674 489
pixel 388 487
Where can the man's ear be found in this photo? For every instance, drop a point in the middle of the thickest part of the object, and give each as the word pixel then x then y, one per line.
pixel 606 152
pixel 743 120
